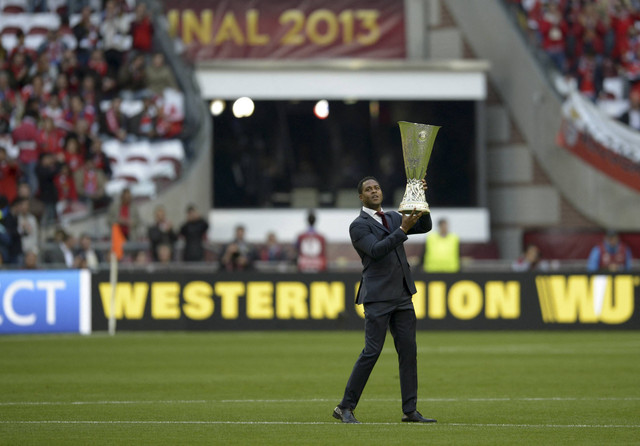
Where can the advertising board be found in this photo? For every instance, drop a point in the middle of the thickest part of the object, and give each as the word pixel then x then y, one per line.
pixel 478 301
pixel 45 301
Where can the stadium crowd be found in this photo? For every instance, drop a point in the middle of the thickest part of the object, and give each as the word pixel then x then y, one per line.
pixel 74 75
pixel 595 44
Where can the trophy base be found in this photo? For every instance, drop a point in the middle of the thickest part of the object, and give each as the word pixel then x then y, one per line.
pixel 408 207
pixel 414 198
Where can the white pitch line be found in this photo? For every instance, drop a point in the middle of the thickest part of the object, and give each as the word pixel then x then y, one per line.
pixel 309 400
pixel 303 423
pixel 97 403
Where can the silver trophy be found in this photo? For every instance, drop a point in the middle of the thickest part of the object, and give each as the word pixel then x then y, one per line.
pixel 417 144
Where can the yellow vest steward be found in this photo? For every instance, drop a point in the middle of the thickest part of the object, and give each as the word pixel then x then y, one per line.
pixel 442 254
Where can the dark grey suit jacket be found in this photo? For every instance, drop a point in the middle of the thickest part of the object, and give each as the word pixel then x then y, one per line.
pixel 385 269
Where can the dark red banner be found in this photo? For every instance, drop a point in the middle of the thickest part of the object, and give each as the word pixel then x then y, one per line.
pixel 603 158
pixel 288 29
pixel 568 244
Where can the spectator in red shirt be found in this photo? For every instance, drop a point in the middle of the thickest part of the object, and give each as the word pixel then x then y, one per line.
pixel 22 48
pixel 591 41
pixel 50 138
pixel 53 47
pixel 132 74
pixel 73 70
pixel 115 122
pixel 88 90
pixel 7 93
pixel 553 30
pixel 66 187
pixel 8 175
pixel 168 122
pixel 632 116
pixel 90 183
pixel 81 133
pixel 87 35
pixel 25 136
pixel 45 70
pixel 100 159
pixel 125 214
pixel 108 88
pixel 79 110
pixel 35 93
pixel 4 58
pixel 144 123
pixel 47 170
pixel 587 82
pixel 97 63
pixel 19 71
pixel 621 20
pixel 36 207
pixel 61 90
pixel 142 29
pixel 311 248
pixel 54 110
pixel 72 156
pixel 594 19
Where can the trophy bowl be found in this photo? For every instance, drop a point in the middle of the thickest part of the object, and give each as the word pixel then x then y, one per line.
pixel 417 145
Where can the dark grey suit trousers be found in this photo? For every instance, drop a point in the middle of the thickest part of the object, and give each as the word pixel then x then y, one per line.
pixel 400 318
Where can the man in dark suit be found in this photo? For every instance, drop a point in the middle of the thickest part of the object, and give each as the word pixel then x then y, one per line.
pixel 385 290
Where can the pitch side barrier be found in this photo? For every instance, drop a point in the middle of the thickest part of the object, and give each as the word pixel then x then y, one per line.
pixel 259 301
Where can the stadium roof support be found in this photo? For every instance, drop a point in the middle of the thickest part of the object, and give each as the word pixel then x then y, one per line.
pixel 345 79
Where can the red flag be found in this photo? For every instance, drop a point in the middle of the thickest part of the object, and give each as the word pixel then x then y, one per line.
pixel 117 241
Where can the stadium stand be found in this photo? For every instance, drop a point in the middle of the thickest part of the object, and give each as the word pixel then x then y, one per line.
pixel 594 46
pixel 70 66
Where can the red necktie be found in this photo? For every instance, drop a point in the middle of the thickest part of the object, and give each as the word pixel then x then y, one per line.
pixel 384 219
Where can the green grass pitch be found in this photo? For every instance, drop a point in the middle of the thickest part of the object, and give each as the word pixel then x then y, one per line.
pixel 278 388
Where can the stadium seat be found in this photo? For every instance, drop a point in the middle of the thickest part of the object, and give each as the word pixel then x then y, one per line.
pixel 347 198
pixel 144 189
pixel 104 105
pixel 114 188
pixel 14 6
pixel 133 172
pixel 42 23
pixel 74 19
pixel 171 150
pixel 70 40
pixel 398 195
pixel 11 23
pixel 173 104
pixel 131 107
pixel 304 197
pixel 57 6
pixel 163 170
pixel 9 41
pixel 113 149
pixel 34 41
pixel 139 151
pixel 614 86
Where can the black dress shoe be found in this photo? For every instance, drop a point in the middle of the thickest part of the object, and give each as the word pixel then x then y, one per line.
pixel 416 417
pixel 344 415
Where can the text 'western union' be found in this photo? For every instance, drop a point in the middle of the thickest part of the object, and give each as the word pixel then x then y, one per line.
pixel 319 300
